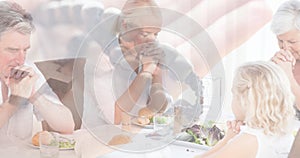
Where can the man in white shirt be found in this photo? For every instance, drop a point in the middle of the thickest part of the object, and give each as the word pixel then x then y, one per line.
pixel 21 91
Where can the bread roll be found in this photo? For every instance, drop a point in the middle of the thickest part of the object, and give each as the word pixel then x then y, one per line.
pixel 35 139
pixel 146 112
pixel 119 139
pixel 143 120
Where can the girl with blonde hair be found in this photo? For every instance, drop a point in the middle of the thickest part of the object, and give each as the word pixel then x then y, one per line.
pixel 263 102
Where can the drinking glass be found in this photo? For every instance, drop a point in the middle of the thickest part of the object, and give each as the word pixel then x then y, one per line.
pixel 49 145
pixel 126 121
pixel 163 124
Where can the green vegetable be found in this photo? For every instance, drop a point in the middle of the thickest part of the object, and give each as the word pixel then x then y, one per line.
pixel 214 135
pixel 66 145
pixel 196 139
pixel 151 120
pixel 205 135
pixel 161 120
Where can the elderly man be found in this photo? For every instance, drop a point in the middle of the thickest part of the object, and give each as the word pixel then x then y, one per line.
pixel 22 92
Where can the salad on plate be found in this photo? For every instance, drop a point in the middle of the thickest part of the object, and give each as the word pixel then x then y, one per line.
pixel 66 142
pixel 204 135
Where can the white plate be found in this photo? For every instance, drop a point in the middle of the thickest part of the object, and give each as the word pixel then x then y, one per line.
pixel 135 122
pixel 191 145
pixel 63 138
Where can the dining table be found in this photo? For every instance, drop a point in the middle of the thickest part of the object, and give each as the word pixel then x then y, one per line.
pixel 11 147
pixel 145 143
pixel 92 143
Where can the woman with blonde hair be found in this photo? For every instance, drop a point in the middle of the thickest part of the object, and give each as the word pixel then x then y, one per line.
pixel 263 101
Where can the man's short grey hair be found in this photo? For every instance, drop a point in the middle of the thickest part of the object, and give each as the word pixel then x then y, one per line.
pixel 287 17
pixel 14 17
pixel 139 14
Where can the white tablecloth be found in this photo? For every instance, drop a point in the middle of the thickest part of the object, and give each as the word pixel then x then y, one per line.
pixel 90 146
pixel 87 146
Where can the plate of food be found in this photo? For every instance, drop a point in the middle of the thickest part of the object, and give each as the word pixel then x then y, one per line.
pixel 143 122
pixel 200 136
pixel 66 142
pixel 144 119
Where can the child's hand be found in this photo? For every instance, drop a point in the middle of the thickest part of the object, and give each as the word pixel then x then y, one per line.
pixel 233 129
pixel 235 125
